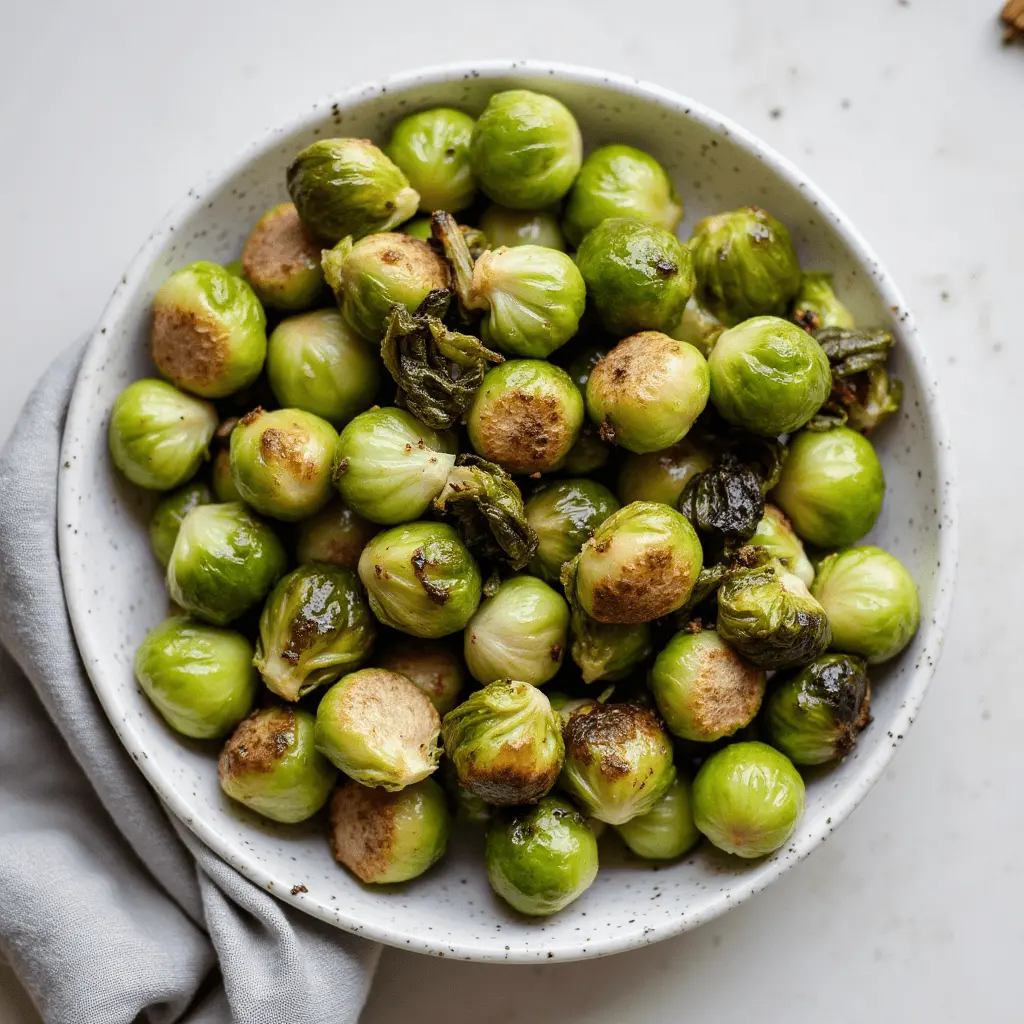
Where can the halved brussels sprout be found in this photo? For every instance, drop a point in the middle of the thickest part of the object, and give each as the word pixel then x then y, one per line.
pixel 831 487
pixel 198 677
pixel 747 799
pixel 667 830
pixel 223 562
pixel 379 729
pixel 698 327
pixel 336 535
pixel 871 602
pixel 662 475
pixel 209 333
pixel 384 838
pixel 167 516
pixel 541 858
pixel 348 187
pixel 776 535
pixel 421 579
pixel 505 742
pixel 703 688
pixel 746 265
pixel 432 148
pixel 526 149
pixel 431 665
pixel 158 435
pixel 317 363
pixel 504 227
pixel 648 391
pixel 281 261
pixel 271 765
pixel 816 715
pixel 816 306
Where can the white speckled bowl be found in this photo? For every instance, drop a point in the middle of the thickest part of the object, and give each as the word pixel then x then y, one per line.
pixel 115 591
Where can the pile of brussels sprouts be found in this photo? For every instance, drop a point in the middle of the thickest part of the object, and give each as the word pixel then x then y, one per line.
pixel 418 462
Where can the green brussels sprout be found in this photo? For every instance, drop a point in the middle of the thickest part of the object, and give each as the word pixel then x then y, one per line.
pixel 348 187
pixel 667 830
pixel 541 858
pixel 588 454
pixel 271 765
pixel 618 761
pixel 698 327
pixel 816 306
pixel 159 436
pixel 505 742
pixel 523 630
pixel 314 627
pixel 504 227
pixel 432 149
pixel 209 332
pixel 198 677
pixel 607 650
pixel 335 535
pixel 526 149
pixel 389 467
pixel 746 265
pixel 379 729
pixel 378 272
pixel 281 261
pixel 317 363
pixel 465 806
pixel 431 665
pixel 816 715
pixel 640 564
pixel 223 482
pixel 747 799
pixel 662 475
pixel 418 227
pixel 526 416
pixel 621 181
pixel 421 579
pixel 223 562
pixel 281 462
pixel 831 487
pixel 383 837
pixel 703 688
pixel 167 516
pixel 639 277
pixel 563 515
pixel 769 616
pixel 775 534
pixel 871 602
pixel 648 391
pixel 769 376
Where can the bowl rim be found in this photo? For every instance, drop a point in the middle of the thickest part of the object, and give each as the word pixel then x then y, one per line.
pixel 871 767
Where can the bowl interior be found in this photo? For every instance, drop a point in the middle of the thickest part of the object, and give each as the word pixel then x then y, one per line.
pixel 116 593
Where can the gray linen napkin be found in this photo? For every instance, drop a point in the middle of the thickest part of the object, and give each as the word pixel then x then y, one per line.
pixel 109 910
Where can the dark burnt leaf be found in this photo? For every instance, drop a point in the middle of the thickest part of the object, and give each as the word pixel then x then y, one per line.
pixel 878 398
pixel 863 393
pixel 725 502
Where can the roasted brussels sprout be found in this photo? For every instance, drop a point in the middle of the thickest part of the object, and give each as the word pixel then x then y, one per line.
pixel 209 333
pixel 703 688
pixel 871 602
pixel 348 187
pixel 314 627
pixel 505 227
pixel 421 579
pixel 198 677
pixel 167 516
pixel 317 363
pixel 620 181
pixel 281 261
pixel 526 149
pixel 379 729
pixel 647 392
pixel 541 858
pixel 776 535
pixel 223 482
pixel 747 799
pixel 526 416
pixel 521 631
pixel 223 562
pixel 383 837
pixel 662 475
pixel 389 467
pixel 768 376
pixel 698 327
pixel 432 149
pixel 158 435
pixel 431 665
pixel 505 742
pixel 567 706
pixel 746 265
pixel 639 276
pixel 618 761
pixel 667 830
pixel 816 715
pixel 271 765
pixel 281 462
pixel 336 535
pixel 816 305
pixel 607 650
pixel 831 487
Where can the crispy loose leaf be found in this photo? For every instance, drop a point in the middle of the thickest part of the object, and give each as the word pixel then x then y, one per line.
pixel 457 250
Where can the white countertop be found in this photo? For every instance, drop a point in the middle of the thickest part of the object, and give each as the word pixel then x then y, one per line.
pixel 908 113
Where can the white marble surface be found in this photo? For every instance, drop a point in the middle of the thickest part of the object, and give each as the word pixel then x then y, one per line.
pixel 908 113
